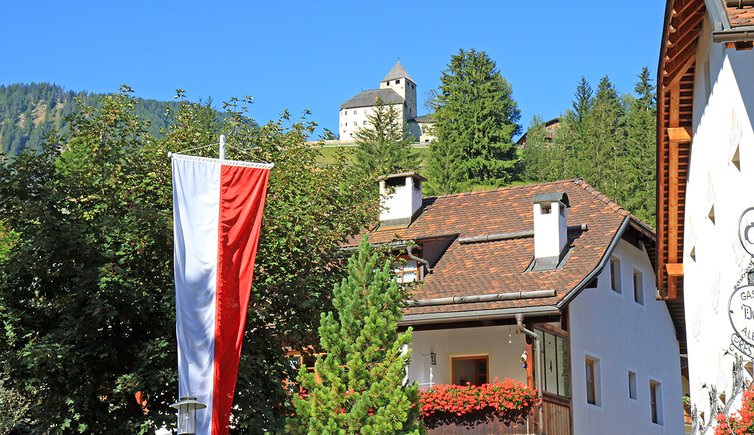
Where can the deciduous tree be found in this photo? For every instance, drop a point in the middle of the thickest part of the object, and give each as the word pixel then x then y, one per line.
pixel 86 289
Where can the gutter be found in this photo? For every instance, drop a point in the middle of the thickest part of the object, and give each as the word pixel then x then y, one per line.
pixel 462 316
pixel 601 265
pixel 738 34
pixel 452 300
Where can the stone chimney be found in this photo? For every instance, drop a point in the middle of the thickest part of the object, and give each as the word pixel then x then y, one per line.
pixel 550 229
pixel 401 198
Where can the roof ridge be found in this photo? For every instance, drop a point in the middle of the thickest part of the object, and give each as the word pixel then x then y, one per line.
pixel 500 189
pixel 610 203
pixel 602 197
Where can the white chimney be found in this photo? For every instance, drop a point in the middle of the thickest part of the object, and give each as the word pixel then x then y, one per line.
pixel 401 198
pixel 550 229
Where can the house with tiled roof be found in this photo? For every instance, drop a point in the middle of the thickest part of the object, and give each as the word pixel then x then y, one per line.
pixel 396 89
pixel 705 174
pixel 551 284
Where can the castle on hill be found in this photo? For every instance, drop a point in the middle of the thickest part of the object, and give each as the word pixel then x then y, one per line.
pixel 397 89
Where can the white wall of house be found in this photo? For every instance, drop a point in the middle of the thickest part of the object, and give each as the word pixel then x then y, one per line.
pixel 500 343
pixel 624 336
pixel 351 120
pixel 714 258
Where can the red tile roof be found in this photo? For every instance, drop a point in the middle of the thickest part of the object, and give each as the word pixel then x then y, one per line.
pixel 740 16
pixel 500 267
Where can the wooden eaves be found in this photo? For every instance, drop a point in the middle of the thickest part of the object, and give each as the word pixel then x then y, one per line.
pixel 675 93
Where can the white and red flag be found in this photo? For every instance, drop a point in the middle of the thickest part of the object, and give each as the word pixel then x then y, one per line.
pixel 217 208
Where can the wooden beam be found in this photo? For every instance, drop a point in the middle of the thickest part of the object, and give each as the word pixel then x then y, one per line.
pixel 675 120
pixel 672 288
pixel 679 134
pixel 674 269
pixel 677 76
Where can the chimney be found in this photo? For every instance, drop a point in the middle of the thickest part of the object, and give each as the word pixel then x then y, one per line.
pixel 550 229
pixel 401 198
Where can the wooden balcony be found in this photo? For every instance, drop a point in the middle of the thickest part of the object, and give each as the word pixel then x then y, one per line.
pixel 557 421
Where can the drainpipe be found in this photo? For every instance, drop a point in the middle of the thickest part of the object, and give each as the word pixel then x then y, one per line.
pixel 537 366
pixel 420 260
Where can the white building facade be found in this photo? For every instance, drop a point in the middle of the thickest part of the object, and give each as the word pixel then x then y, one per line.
pixel 707 114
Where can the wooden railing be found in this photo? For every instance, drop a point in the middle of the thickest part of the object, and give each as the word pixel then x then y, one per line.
pixel 557 416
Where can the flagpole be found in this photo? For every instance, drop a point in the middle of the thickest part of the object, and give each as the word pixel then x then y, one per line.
pixel 222 147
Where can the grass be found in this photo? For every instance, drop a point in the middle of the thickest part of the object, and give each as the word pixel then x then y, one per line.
pixel 330 154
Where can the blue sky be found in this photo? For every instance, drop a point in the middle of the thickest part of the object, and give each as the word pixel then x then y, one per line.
pixel 317 54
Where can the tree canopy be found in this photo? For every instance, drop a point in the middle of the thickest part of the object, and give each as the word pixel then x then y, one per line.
pixel 476 119
pixel 607 139
pixel 87 300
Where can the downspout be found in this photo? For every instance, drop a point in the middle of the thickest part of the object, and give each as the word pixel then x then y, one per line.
pixel 538 368
pixel 420 260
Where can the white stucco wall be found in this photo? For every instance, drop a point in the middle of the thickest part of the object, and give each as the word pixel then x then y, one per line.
pixel 402 202
pixel 723 118
pixel 500 343
pixel 351 120
pixel 624 335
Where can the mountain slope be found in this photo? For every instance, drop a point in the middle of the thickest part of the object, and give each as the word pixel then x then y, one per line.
pixel 29 111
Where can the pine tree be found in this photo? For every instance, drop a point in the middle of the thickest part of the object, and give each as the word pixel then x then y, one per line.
pixel 361 387
pixel 476 118
pixel 384 146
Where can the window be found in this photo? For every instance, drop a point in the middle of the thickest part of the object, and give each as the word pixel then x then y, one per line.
pixel 470 369
pixel 593 381
pixel 296 360
pixel 555 359
pixel 632 385
pixel 655 401
pixel 615 274
pixel 406 271
pixel 346 124
pixel 355 112
pixel 397 82
pixel 363 123
pixel 638 287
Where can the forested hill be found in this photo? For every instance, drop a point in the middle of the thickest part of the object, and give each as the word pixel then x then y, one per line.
pixel 29 111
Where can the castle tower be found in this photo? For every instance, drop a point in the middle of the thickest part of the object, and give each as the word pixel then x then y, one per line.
pixel 399 81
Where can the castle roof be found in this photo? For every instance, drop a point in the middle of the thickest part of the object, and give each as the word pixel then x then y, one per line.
pixel 369 98
pixel 397 72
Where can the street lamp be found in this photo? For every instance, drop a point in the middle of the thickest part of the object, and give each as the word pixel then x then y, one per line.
pixel 187 407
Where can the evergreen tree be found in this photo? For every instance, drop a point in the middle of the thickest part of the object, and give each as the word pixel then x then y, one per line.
pixel 384 146
pixel 361 387
pixel 639 177
pixel 536 152
pixel 476 118
pixel 606 138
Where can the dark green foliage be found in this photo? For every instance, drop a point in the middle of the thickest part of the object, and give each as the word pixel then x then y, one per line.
pixel 86 289
pixel 29 111
pixel 476 118
pixel 608 140
pixel 361 386
pixel 384 146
